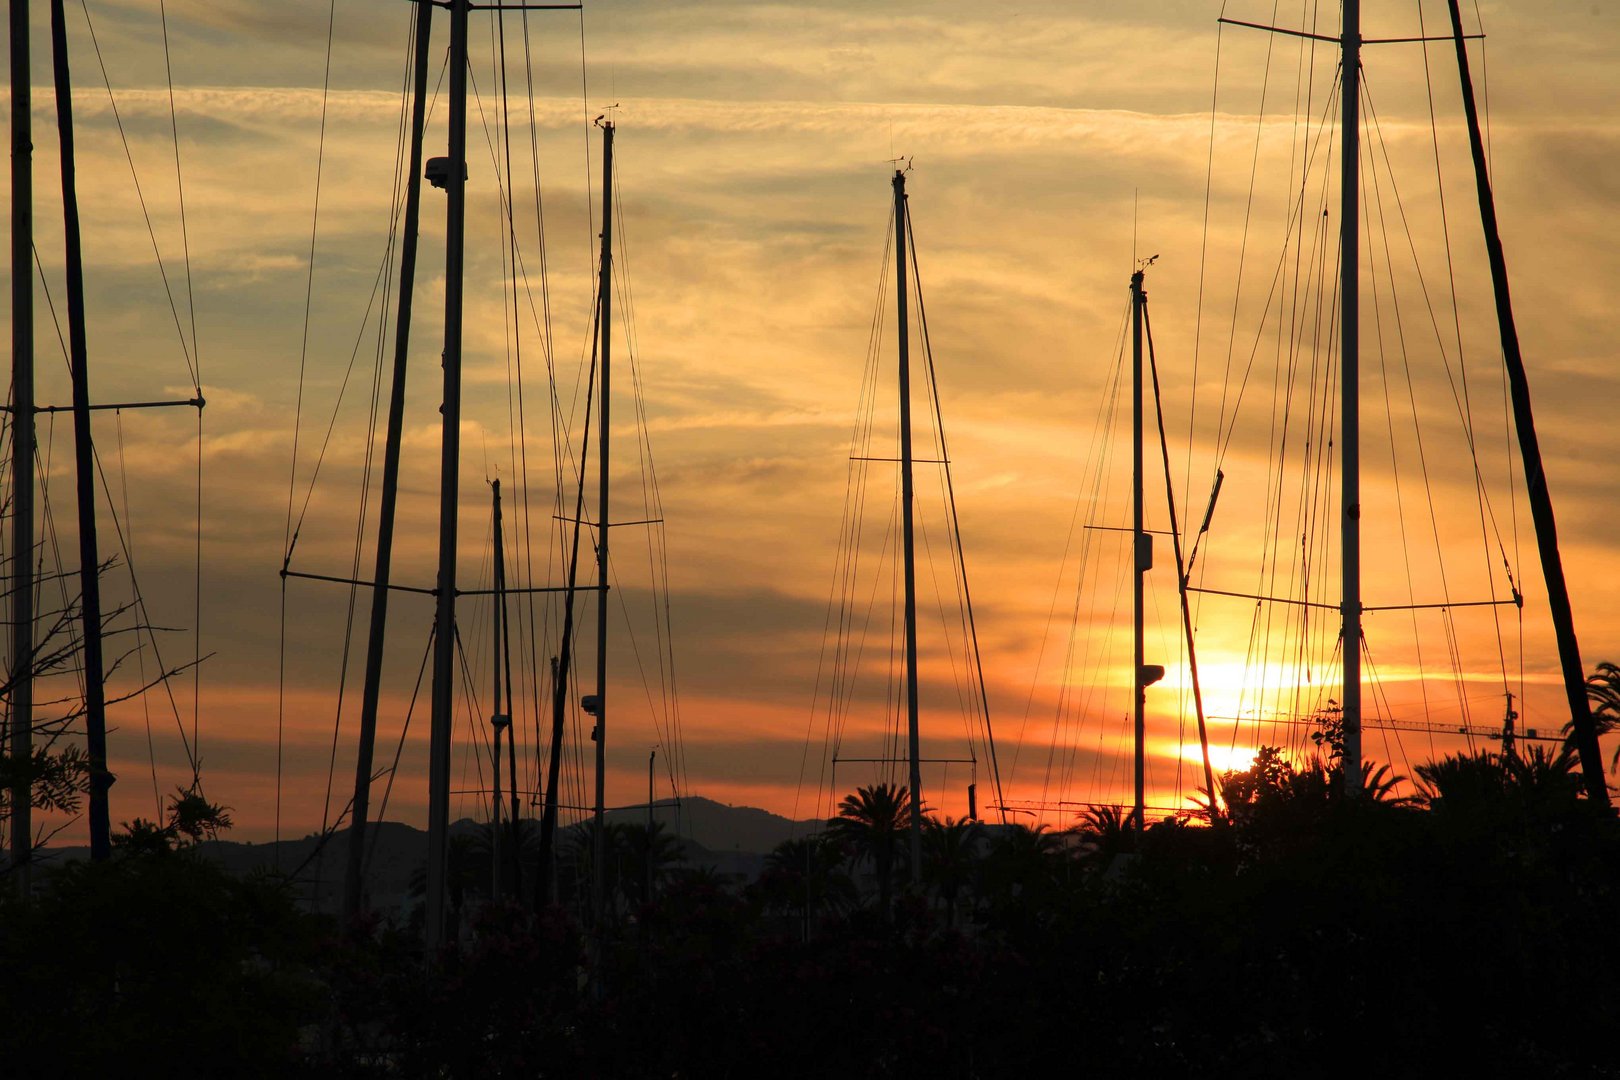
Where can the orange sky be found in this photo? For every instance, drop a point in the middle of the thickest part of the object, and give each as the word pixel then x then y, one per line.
pixel 754 143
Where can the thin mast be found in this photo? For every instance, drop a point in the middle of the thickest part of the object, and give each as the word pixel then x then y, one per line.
pixel 95 695
pixel 651 756
pixel 498 720
pixel 561 663
pixel 353 884
pixel 605 299
pixel 1349 395
pixel 1535 476
pixel 449 486
pixel 902 234
pixel 514 850
pixel 1181 566
pixel 1142 556
pixel 21 711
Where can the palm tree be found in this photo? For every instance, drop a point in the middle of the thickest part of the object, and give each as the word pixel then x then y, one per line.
pixel 703 878
pixel 1538 782
pixel 464 874
pixel 524 861
pixel 1603 691
pixel 871 822
pixel 579 853
pixel 1459 783
pixel 479 855
pixel 1545 780
pixel 1105 831
pixel 1273 779
pixel 950 855
pixel 1378 784
pixel 805 874
pixel 1024 863
pixel 651 853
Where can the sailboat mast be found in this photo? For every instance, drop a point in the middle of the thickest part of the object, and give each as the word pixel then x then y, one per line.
pixel 444 645
pixel 605 300
pixel 21 710
pixel 498 720
pixel 1349 394
pixel 1142 555
pixel 353 885
pixel 652 756
pixel 561 664
pixel 95 695
pixel 1535 476
pixel 902 234
pixel 560 668
pixel 514 849
pixel 1181 564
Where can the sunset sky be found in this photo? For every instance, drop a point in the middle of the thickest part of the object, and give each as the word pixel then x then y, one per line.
pixel 1050 145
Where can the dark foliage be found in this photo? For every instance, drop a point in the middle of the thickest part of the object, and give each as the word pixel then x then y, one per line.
pixel 1304 934
pixel 157 963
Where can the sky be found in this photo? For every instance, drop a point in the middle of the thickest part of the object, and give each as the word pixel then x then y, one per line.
pixel 1049 146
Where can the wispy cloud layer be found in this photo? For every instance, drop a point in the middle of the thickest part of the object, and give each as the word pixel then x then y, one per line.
pixel 1051 142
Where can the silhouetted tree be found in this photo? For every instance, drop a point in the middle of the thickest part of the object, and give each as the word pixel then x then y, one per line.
pixel 1104 832
pixel 480 856
pixel 1545 780
pixel 1603 691
pixel 56 771
pixel 1023 866
pixel 872 822
pixel 157 961
pixel 950 860
pixel 805 874
pixel 1379 783
pixel 466 874
pixel 191 819
pixel 651 854
pixel 1464 783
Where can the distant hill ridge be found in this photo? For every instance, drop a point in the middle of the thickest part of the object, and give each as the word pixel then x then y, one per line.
pixel 720 826
pixel 734 839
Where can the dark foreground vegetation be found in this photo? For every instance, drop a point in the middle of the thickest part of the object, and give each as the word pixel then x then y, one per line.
pixel 1469 931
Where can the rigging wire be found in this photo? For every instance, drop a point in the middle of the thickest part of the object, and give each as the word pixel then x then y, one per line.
pixel 1389 413
pixel 140 654
pixel 955 534
pixel 657 529
pixel 1097 452
pixel 289 537
pixel 196 353
pixel 831 670
pixel 140 194
pixel 399 748
pixel 142 618
pixel 1316 510
pixel 557 442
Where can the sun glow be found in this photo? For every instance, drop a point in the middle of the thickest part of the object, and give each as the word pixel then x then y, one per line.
pixel 1222 759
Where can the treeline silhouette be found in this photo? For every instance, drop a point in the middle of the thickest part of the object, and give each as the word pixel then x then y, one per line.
pixel 1291 932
